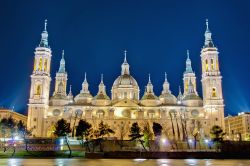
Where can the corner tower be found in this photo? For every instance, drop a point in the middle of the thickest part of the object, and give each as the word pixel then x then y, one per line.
pixel 61 78
pixel 189 75
pixel 40 86
pixel 211 82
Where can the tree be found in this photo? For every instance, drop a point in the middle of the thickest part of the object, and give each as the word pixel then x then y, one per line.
pixel 135 134
pixel 9 129
pixel 62 130
pixel 157 129
pixel 83 130
pixel 104 130
pixel 24 132
pixel 217 134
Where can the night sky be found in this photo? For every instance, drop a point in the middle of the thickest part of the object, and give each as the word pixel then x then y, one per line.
pixel 94 34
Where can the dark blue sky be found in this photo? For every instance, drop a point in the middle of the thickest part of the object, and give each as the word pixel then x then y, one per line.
pixel 95 33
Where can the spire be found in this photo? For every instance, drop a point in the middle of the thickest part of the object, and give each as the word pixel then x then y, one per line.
pixel 165 85
pixel 180 90
pixel 62 64
pixel 149 79
pixel 188 64
pixel 70 95
pixel 149 85
pixel 125 65
pixel 179 97
pixel 44 36
pixel 70 90
pixel 166 79
pixel 208 37
pixel 85 85
pixel 102 87
pixel 85 77
pixel 125 56
pixel 101 78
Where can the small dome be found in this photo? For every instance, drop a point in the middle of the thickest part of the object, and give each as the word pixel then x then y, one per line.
pixel 101 96
pixel 168 98
pixel 125 80
pixel 191 96
pixel 83 98
pixel 149 96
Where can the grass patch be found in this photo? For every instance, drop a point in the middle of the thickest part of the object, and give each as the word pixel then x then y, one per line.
pixel 39 154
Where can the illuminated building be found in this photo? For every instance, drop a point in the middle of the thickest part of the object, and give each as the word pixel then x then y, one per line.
pixel 125 105
pixel 6 113
pixel 238 127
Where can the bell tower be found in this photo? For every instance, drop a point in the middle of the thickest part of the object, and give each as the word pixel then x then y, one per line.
pixel 211 82
pixel 189 75
pixel 40 86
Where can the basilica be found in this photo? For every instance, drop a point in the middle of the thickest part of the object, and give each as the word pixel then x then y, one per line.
pixel 186 113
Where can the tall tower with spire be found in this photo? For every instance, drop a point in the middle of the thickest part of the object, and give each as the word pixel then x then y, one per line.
pixel 189 75
pixel 211 81
pixel 61 78
pixel 40 86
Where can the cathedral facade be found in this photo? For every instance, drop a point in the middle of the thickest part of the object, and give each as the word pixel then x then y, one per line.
pixel 187 114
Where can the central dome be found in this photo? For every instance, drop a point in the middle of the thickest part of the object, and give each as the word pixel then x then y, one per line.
pixel 125 86
pixel 125 80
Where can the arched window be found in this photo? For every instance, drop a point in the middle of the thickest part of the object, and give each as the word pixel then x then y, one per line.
pixel 100 114
pixel 45 64
pixel 212 64
pixel 186 85
pixel 214 94
pixel 217 65
pixel 40 64
pixel 38 90
pixel 206 65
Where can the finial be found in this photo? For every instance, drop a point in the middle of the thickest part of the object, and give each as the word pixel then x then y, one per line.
pixel 70 87
pixel 62 54
pixel 125 55
pixel 149 79
pixel 179 89
pixel 166 79
pixel 45 25
pixel 85 76
pixel 101 78
pixel 207 23
pixel 187 54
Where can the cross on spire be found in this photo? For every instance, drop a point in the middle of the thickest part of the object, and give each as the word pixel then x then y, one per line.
pixel 149 79
pixel 207 25
pixel 101 78
pixel 166 80
pixel 62 54
pixel 45 25
pixel 125 56
pixel 85 77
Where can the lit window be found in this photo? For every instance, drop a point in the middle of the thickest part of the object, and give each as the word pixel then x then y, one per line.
pixel 151 115
pixel 45 65
pixel 38 90
pixel 214 92
pixel 212 64
pixel 186 85
pixel 217 65
pixel 40 64
pixel 206 65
